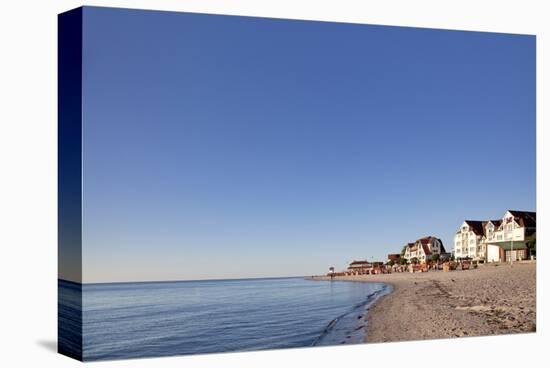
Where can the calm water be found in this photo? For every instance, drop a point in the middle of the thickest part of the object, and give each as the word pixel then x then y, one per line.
pixel 129 320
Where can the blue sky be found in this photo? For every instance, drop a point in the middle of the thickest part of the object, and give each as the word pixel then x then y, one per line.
pixel 225 147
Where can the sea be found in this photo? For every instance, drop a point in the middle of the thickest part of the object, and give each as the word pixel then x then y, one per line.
pixel 153 319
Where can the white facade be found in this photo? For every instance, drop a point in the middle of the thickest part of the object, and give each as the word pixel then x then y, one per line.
pixel 493 253
pixel 467 240
pixel 490 240
pixel 423 249
pixel 413 251
pixel 509 230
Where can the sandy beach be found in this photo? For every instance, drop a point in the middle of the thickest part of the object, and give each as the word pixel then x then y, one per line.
pixel 489 300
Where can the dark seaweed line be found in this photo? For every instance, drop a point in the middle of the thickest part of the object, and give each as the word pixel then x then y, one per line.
pixel 333 322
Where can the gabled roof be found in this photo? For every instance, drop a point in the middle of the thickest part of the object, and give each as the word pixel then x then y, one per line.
pixel 425 243
pixel 410 245
pixel 394 256
pixel 496 224
pixel 426 249
pixel 425 240
pixel 360 263
pixel 476 226
pixel 525 218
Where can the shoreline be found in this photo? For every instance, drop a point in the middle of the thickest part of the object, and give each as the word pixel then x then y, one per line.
pixel 490 300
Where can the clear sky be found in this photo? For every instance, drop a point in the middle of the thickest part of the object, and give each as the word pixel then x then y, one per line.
pixel 228 147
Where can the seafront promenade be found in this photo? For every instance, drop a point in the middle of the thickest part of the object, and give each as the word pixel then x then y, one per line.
pixel 491 299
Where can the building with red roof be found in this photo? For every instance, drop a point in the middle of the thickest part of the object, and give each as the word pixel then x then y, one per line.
pixel 499 240
pixel 423 249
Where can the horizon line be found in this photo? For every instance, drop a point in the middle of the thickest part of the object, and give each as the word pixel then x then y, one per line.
pixel 179 280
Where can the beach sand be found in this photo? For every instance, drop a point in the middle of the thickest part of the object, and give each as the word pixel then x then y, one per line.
pixel 489 300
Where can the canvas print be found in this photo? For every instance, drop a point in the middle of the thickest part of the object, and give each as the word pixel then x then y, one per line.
pixel 233 183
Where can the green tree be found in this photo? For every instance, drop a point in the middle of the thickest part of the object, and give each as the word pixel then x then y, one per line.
pixel 403 261
pixel 403 250
pixel 531 242
pixel 435 257
pixel 414 260
pixel 391 262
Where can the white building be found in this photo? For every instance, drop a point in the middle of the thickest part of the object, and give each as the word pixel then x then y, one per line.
pixel 509 239
pixel 424 248
pixel 496 240
pixel 490 229
pixel 467 241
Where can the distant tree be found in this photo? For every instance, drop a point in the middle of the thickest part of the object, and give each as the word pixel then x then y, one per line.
pixel 403 261
pixel 435 257
pixel 452 257
pixel 414 260
pixel 531 242
pixel 403 250
pixel 391 262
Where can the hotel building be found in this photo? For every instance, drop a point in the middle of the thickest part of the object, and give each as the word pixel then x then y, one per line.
pixel 424 248
pixel 496 240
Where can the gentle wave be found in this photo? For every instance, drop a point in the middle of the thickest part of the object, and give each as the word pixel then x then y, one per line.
pixel 357 314
pixel 130 320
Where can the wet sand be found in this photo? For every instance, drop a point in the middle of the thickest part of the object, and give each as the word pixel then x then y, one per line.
pixel 489 300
